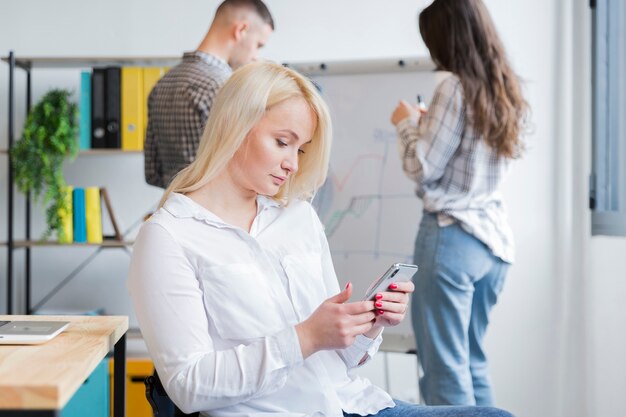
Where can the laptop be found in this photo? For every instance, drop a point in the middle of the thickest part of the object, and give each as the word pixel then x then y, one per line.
pixel 29 332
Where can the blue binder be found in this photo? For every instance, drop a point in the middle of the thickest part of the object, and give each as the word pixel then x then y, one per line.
pixel 80 222
pixel 85 110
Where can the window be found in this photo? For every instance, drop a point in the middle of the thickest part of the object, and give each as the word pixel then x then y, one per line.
pixel 608 176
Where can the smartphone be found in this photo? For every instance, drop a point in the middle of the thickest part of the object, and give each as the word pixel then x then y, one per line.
pixel 395 273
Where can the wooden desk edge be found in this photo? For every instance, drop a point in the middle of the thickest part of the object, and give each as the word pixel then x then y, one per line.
pixel 57 399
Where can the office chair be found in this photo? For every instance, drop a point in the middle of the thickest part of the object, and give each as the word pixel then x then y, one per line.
pixel 161 404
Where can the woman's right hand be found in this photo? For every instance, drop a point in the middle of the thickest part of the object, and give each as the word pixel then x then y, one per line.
pixel 335 324
pixel 404 110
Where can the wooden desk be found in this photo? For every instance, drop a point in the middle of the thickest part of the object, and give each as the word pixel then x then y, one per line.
pixel 38 380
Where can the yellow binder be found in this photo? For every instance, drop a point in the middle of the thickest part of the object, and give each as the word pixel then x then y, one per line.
pixel 67 217
pixel 93 215
pixel 133 123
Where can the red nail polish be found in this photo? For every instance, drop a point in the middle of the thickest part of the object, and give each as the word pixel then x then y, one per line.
pixel 348 284
pixel 379 304
pixel 393 286
pixel 379 296
pixel 381 312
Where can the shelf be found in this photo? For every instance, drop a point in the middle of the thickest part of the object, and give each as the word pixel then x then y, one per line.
pixel 28 64
pixel 87 62
pixel 39 243
pixel 96 152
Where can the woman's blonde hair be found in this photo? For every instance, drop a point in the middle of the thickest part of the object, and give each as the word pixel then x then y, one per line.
pixel 239 106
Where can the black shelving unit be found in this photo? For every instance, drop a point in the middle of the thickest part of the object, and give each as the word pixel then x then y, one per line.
pixel 28 64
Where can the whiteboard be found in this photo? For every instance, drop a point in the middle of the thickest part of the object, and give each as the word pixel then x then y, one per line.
pixel 368 206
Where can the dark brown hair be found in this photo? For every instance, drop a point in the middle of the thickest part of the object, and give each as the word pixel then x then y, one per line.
pixel 256 5
pixel 462 39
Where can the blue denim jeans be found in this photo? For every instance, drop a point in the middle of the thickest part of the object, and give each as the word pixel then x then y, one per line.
pixel 403 409
pixel 457 284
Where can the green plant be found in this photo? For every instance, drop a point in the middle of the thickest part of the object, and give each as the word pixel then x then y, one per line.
pixel 49 137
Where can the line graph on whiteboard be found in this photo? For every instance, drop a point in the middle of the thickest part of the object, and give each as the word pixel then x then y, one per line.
pixel 368 206
pixel 365 204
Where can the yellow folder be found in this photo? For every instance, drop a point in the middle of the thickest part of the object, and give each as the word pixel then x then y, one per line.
pixel 66 218
pixel 150 77
pixel 133 123
pixel 93 215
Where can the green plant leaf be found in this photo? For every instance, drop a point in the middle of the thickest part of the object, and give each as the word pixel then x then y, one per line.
pixel 50 136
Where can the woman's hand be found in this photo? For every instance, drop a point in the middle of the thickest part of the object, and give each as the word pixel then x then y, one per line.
pixel 391 306
pixel 404 110
pixel 335 324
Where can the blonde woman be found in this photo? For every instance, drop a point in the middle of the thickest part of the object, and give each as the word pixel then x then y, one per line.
pixel 232 280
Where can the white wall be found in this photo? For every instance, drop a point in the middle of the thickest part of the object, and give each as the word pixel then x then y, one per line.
pixel 590 270
pixel 535 330
pixel 607 338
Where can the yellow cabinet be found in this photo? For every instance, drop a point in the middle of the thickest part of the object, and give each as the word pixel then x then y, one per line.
pixel 136 371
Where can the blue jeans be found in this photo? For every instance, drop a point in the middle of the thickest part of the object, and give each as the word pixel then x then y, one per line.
pixel 403 409
pixel 457 284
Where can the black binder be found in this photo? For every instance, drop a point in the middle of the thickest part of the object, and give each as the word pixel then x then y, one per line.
pixel 112 110
pixel 98 118
pixel 106 108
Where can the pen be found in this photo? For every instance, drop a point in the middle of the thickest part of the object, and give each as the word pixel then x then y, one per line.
pixel 421 104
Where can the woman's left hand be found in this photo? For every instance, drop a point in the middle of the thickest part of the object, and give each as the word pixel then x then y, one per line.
pixel 392 305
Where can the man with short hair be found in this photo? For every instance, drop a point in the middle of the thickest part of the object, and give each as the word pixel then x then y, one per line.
pixel 179 104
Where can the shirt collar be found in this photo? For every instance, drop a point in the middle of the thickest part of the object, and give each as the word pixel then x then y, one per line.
pixel 208 59
pixel 181 206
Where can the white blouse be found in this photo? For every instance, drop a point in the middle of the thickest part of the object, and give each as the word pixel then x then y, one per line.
pixel 217 307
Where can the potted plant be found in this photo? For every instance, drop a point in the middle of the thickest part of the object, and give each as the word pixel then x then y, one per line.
pixel 49 137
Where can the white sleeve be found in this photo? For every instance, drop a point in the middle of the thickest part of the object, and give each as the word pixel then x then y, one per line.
pixel 168 302
pixel 361 351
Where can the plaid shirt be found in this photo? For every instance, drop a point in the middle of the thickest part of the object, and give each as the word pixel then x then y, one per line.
pixel 457 173
pixel 178 108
